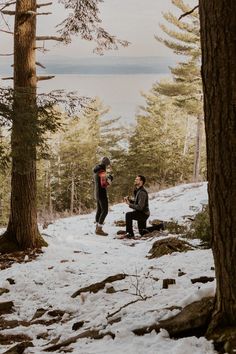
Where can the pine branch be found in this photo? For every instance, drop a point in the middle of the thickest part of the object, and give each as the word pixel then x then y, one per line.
pixel 49 38
pixel 188 12
pixel 44 4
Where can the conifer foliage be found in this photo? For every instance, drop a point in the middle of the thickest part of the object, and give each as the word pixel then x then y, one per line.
pixel 186 87
pixel 65 177
pixel 22 230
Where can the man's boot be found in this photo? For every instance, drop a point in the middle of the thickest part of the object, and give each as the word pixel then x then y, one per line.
pixel 99 231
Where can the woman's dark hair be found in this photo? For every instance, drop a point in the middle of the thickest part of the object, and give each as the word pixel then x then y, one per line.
pixel 142 178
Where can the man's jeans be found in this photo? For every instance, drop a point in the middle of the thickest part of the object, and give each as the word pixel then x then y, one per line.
pixel 135 215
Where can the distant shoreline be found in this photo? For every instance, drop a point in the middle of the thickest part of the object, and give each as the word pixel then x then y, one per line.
pixel 100 66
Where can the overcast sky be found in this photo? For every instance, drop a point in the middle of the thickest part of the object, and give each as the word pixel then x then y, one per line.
pixel 134 20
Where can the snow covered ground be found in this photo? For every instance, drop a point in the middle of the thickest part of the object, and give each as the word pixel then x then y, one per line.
pixel 76 258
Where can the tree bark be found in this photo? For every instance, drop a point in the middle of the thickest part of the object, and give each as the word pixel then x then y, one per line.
pixel 72 192
pixel 218 40
pixel 197 152
pixel 22 228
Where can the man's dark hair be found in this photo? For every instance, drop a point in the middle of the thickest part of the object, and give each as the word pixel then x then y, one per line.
pixel 142 178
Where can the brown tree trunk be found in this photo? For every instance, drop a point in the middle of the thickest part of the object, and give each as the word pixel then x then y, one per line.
pixel 218 40
pixel 22 231
pixel 197 152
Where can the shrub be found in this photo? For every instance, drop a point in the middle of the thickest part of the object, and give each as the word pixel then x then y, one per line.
pixel 200 227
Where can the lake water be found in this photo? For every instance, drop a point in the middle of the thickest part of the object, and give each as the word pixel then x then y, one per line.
pixel 122 93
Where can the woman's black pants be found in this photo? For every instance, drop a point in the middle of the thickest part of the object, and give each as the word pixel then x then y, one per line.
pixel 102 210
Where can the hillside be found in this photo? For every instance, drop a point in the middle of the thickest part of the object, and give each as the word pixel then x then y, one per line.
pixel 46 314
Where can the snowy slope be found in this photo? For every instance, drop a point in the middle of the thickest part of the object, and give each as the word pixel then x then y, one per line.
pixel 76 258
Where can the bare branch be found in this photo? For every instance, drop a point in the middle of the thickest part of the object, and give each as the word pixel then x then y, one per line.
pixel 188 12
pixel 45 4
pixel 6 55
pixel 8 12
pixel 41 65
pixel 7 5
pixel 6 23
pixel 7 78
pixel 41 78
pixel 41 49
pixel 44 13
pixel 49 38
pixel 6 31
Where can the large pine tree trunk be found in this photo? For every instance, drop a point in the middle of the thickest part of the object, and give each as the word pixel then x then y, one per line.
pixel 22 231
pixel 218 39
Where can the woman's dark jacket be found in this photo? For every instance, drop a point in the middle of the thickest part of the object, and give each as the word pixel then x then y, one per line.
pixel 101 181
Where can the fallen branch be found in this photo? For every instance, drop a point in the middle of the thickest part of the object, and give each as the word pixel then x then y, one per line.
pixel 19 348
pixel 94 288
pixel 124 306
pixel 94 334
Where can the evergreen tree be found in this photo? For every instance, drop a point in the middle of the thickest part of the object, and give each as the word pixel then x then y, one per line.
pixel 66 182
pixel 186 87
pixel 157 145
pixel 22 230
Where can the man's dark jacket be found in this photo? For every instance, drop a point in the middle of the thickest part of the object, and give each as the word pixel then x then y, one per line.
pixel 140 202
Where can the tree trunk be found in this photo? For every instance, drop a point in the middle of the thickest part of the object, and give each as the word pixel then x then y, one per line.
pixel 197 152
pixel 186 139
pixel 22 231
pixel 218 40
pixel 72 193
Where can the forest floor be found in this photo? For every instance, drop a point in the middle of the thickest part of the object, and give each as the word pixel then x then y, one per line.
pixel 88 294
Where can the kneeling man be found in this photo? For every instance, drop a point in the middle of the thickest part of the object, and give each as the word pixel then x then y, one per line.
pixel 140 208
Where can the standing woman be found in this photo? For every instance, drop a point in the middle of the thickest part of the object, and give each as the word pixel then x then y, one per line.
pixel 102 180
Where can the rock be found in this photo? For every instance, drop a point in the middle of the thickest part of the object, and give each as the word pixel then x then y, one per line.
pixel 3 291
pixel 193 320
pixel 167 282
pixel 77 325
pixel 6 307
